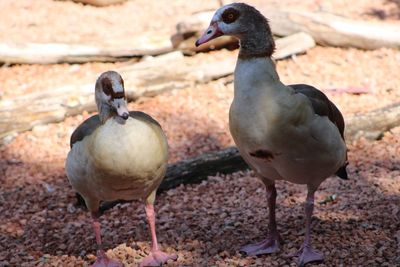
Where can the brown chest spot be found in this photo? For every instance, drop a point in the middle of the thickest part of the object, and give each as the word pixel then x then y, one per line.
pixel 262 154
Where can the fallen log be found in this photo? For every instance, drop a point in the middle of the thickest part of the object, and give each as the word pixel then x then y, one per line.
pixel 146 78
pixel 332 30
pixel 100 3
pixel 47 53
pixel 187 44
pixel 293 44
pixel 370 125
pixel 326 28
pixel 285 47
pixel 197 169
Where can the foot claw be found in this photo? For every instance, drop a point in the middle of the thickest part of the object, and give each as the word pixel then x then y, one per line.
pixel 267 246
pixel 157 258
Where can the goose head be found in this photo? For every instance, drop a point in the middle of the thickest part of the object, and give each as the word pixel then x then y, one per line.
pixel 110 96
pixel 245 23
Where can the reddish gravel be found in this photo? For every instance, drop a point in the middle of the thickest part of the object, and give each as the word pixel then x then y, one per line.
pixel 204 224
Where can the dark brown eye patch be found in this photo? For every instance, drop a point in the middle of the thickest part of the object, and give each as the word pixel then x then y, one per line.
pixel 230 15
pixel 108 88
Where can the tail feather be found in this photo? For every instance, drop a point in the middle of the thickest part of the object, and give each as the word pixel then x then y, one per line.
pixel 342 172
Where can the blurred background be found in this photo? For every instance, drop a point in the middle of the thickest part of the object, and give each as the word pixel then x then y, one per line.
pixel 51 53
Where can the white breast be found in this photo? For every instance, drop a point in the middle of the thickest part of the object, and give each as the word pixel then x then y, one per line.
pixel 132 147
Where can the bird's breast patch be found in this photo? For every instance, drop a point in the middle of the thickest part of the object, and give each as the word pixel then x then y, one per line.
pixel 263 154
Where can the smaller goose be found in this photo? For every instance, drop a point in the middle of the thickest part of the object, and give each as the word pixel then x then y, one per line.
pixel 284 132
pixel 118 155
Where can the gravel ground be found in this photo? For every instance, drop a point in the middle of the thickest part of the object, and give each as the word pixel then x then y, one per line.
pixel 204 224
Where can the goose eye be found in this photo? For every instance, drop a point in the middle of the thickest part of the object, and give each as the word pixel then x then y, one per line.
pixel 230 15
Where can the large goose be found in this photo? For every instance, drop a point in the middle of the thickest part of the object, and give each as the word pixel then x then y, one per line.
pixel 118 155
pixel 284 132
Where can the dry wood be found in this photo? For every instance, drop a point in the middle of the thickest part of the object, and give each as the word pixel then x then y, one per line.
pixel 325 28
pixel 333 30
pixel 146 78
pixel 186 43
pixel 293 44
pixel 35 53
pixel 196 169
pixel 100 2
pixel 373 124
pixel 287 46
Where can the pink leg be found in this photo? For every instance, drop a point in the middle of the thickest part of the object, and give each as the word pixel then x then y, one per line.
pixel 156 257
pixel 273 241
pixel 102 259
pixel 306 253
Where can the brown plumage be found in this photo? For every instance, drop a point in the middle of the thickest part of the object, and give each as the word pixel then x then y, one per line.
pixel 324 107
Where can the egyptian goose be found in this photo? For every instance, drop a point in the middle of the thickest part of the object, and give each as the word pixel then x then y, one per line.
pixel 284 132
pixel 118 155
